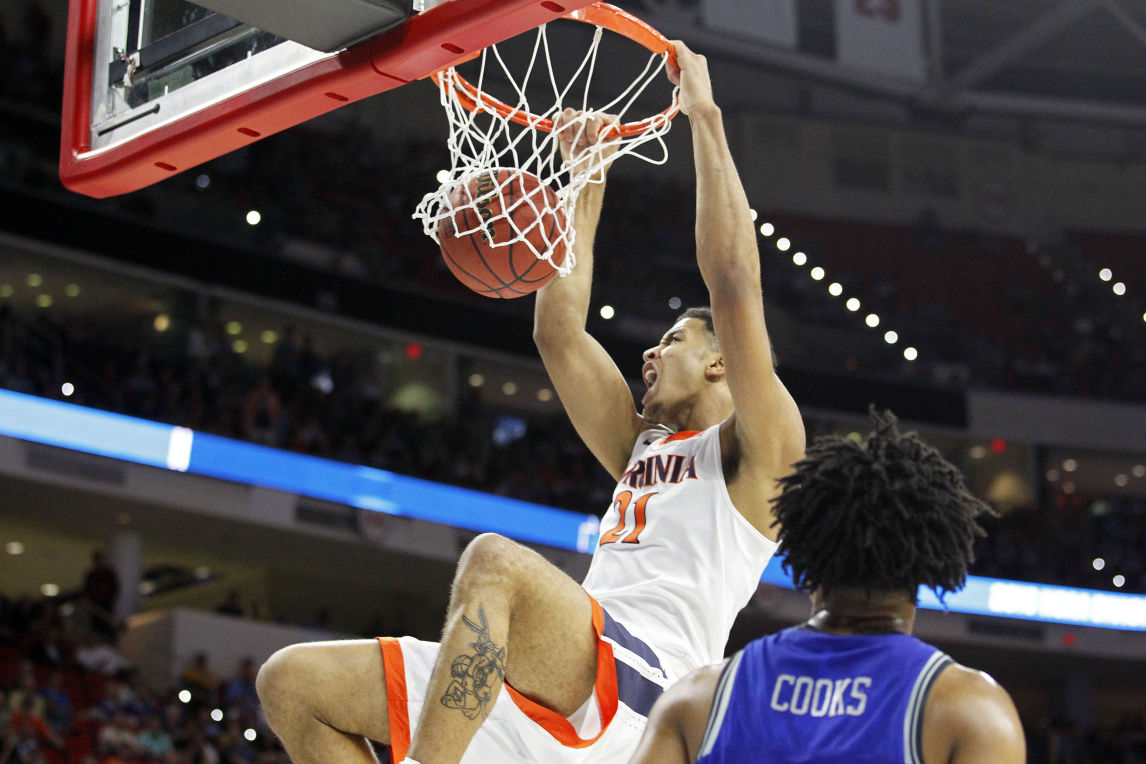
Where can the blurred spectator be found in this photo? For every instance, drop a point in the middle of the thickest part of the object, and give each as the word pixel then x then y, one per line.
pixel 239 694
pixel 101 591
pixel 200 679
pixel 153 740
pixel 232 605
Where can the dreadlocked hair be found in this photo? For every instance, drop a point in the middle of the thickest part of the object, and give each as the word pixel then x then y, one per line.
pixel 887 515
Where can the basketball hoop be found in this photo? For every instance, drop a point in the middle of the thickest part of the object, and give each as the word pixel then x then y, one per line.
pixel 493 125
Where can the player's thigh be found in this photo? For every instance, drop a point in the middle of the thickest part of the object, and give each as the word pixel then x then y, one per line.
pixel 552 646
pixel 341 684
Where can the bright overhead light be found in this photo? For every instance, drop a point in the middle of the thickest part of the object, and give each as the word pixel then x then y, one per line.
pixel 442 176
pixel 817 273
pixel 1119 288
pixel 752 214
pixel 835 289
pixel 1106 274
pixel 910 353
pixel 1070 465
pixel 872 320
pixel 509 388
pixel 801 259
pixel 607 312
pixel 254 217
pixel 767 229
pixel 852 304
pixel 890 337
pixel 783 244
pixel 476 380
pixel 1119 581
pixel 1098 563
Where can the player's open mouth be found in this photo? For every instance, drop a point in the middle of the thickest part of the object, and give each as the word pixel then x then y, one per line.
pixel 650 375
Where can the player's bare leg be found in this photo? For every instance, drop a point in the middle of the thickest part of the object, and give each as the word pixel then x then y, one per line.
pixel 323 699
pixel 512 617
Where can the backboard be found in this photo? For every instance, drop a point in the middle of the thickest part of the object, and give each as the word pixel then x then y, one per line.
pixel 155 87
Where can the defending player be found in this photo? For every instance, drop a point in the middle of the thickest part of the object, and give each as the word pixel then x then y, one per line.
pixel 863 527
pixel 532 666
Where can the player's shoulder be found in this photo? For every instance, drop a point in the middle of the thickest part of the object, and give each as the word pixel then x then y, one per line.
pixel 967 709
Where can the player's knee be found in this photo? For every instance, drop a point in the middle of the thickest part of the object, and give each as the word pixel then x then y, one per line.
pixel 281 680
pixel 489 559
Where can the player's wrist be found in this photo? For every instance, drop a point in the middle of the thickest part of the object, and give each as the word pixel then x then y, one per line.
pixel 704 112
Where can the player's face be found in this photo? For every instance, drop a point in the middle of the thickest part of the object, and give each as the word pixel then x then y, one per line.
pixel 674 368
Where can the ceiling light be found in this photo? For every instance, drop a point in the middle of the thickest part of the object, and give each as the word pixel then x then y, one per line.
pixel 853 304
pixel 1070 465
pixel 890 337
pixel 801 259
pixel 1119 288
pixel 783 244
pixel 835 289
pixel 1106 274
pixel 817 273
pixel 767 229
pixel 872 320
pixel 910 353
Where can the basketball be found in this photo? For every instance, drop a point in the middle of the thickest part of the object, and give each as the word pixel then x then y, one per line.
pixel 501 221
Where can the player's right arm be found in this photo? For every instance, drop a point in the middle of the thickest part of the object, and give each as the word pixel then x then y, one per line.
pixel 588 382
pixel 970 718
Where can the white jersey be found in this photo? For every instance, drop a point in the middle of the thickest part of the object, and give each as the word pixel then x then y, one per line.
pixel 676 561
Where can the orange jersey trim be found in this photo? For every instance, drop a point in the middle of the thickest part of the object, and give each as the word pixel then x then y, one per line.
pixel 395 670
pixel 682 435
pixel 606 686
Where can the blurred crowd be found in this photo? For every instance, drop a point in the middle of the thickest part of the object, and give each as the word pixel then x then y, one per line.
pixel 68 696
pixel 984 310
pixel 335 406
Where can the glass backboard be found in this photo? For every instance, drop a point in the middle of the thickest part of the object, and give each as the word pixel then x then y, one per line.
pixel 155 87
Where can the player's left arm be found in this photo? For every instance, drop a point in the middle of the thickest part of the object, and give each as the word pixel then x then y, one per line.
pixel 970 718
pixel 678 720
pixel 765 436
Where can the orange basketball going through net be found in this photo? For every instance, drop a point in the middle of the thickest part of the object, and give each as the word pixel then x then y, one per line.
pixel 502 225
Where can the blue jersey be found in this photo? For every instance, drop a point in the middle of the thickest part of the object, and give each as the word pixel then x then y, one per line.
pixel 804 696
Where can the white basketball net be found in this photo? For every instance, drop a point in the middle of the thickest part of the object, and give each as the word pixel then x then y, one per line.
pixel 482 140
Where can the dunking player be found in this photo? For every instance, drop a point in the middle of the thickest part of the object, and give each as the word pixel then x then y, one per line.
pixel 863 527
pixel 682 547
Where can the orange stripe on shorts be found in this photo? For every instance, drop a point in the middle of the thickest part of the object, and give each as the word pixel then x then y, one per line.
pixel 394 666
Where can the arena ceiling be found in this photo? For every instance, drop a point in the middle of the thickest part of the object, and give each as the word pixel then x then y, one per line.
pixel 1066 75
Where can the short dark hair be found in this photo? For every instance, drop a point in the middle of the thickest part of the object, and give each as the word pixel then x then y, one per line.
pixel 890 514
pixel 704 313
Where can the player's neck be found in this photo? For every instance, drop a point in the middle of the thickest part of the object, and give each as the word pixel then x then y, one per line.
pixel 860 612
pixel 698 413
